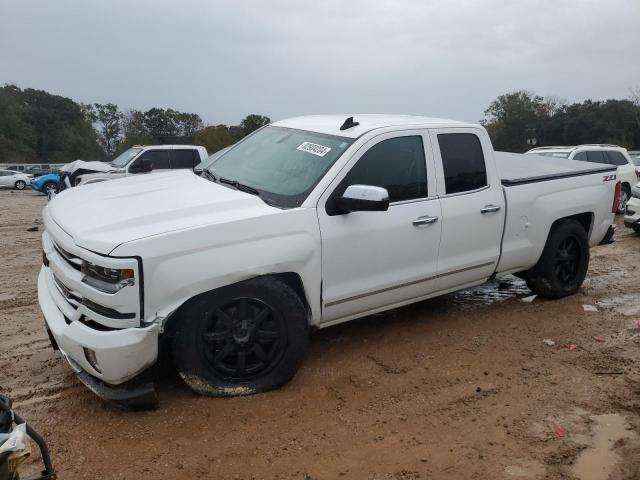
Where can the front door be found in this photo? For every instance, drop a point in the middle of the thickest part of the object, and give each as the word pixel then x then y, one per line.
pixel 371 260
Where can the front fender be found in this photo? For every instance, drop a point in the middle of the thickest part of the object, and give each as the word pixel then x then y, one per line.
pixel 180 265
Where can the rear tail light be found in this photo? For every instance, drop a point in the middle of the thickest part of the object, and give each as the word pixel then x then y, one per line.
pixel 638 174
pixel 616 198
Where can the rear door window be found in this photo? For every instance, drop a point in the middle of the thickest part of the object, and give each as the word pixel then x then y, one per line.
pixel 183 159
pixel 581 156
pixel 616 158
pixel 596 156
pixel 462 162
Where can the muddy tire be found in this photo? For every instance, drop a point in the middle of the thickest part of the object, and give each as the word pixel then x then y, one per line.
pixel 563 264
pixel 242 339
pixel 625 195
pixel 636 228
pixel 20 185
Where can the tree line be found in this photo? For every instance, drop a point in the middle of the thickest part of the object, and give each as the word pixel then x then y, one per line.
pixel 522 120
pixel 38 127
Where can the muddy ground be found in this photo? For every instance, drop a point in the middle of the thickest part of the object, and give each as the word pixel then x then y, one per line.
pixel 457 387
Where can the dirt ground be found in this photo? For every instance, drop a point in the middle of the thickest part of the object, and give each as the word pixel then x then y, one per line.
pixel 460 387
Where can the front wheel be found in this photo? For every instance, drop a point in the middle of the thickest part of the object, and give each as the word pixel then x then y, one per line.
pixel 49 187
pixel 563 265
pixel 20 185
pixel 242 339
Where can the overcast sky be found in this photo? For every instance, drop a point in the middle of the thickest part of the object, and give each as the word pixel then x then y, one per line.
pixel 224 60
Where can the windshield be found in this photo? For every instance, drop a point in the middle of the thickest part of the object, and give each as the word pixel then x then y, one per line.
pixel 553 154
pixel 125 157
pixel 282 164
pixel 207 162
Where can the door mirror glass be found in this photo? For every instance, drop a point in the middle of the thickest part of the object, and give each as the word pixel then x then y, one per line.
pixel 142 165
pixel 363 198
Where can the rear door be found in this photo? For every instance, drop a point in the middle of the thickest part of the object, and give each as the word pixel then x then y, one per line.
pixel 5 177
pixel 473 208
pixel 371 260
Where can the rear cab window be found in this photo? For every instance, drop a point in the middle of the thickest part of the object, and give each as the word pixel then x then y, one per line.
pixel 184 158
pixel 616 158
pixel 463 162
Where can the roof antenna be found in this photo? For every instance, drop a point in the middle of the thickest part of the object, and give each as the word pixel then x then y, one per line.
pixel 349 123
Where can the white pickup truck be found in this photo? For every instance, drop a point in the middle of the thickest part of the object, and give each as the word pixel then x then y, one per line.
pixel 306 223
pixel 140 159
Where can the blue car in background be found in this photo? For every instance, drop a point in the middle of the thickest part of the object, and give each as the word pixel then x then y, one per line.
pixel 46 183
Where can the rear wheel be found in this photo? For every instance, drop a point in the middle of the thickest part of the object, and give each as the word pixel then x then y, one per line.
pixel 20 185
pixel 242 339
pixel 563 265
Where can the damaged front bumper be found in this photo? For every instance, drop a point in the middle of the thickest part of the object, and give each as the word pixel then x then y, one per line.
pixel 108 361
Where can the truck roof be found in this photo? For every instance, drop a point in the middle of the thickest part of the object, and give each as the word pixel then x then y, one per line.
pixel 330 124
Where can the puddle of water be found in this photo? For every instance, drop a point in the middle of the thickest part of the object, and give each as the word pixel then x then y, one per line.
pixel 597 462
pixel 628 304
pixel 598 284
pixel 489 293
pixel 525 470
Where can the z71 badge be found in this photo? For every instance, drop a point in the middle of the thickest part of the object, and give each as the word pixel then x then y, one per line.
pixel 608 178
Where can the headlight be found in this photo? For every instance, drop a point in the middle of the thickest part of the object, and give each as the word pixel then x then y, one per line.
pixel 108 280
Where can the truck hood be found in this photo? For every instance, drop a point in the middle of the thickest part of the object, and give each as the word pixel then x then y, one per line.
pixel 101 216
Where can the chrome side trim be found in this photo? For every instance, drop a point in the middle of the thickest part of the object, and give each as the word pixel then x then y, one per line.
pixel 407 284
pixel 467 192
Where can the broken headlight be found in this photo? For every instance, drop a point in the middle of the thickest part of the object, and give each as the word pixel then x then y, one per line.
pixel 108 280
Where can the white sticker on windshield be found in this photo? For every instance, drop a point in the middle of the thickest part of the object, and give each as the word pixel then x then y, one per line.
pixel 314 149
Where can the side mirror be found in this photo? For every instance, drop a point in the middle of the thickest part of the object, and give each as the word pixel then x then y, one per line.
pixel 363 198
pixel 143 165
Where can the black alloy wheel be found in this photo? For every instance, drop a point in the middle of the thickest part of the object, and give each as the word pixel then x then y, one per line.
pixel 244 338
pixel 567 259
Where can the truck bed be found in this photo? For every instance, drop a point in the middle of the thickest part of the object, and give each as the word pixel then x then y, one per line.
pixel 518 169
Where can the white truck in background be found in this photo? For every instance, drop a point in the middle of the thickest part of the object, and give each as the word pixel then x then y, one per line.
pixel 139 159
pixel 306 223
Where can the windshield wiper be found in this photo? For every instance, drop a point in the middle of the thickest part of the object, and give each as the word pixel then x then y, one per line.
pixel 207 173
pixel 239 186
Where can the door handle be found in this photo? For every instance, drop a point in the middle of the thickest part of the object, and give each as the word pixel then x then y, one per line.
pixel 425 220
pixel 490 209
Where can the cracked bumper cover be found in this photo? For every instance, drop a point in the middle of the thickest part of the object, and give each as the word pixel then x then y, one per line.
pixel 122 355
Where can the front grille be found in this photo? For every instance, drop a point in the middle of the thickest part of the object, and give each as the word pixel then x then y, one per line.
pixel 71 259
pixel 107 312
pixel 76 300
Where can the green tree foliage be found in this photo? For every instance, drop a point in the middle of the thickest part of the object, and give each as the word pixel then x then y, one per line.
pixel 253 122
pixel 107 119
pixel 520 120
pixel 36 126
pixel 214 138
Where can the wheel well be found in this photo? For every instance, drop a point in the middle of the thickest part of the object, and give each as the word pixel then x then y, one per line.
pixel 584 219
pixel 292 279
pixel 626 185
